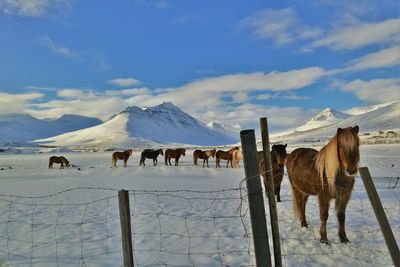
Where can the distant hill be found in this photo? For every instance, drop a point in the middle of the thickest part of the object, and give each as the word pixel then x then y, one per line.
pixel 138 127
pixel 385 117
pixel 24 127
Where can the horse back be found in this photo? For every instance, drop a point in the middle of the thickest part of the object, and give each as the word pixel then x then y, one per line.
pixel 302 171
pixel 199 154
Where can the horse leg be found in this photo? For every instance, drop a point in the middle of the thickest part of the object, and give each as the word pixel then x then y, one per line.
pixel 342 198
pixel 217 163
pixel 155 161
pixel 194 160
pixel 299 201
pixel 277 193
pixel 227 163
pixel 207 163
pixel 176 160
pixel 125 161
pixel 323 201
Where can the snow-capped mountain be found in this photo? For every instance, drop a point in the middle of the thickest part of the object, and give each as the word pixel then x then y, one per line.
pixel 24 127
pixel 383 118
pixel 138 127
pixel 326 117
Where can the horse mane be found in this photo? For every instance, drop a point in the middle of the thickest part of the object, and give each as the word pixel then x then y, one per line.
pixel 327 160
pixel 327 163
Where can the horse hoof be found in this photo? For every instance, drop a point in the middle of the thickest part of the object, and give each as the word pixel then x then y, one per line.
pixel 324 241
pixel 343 239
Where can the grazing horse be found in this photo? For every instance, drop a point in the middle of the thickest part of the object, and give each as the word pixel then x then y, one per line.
pixel 150 154
pixel 328 174
pixel 237 156
pixel 200 154
pixel 54 159
pixel 225 155
pixel 278 157
pixel 174 153
pixel 121 155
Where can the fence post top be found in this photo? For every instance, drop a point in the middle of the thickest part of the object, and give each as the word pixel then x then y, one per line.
pixel 246 132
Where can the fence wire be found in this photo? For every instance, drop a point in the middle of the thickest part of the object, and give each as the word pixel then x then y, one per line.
pixel 184 228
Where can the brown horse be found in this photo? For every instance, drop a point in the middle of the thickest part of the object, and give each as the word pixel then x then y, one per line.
pixel 328 174
pixel 237 156
pixel 278 157
pixel 54 159
pixel 225 155
pixel 200 154
pixel 150 154
pixel 121 155
pixel 174 153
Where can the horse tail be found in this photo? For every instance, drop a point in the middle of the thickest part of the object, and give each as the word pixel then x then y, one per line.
pixel 113 160
pixel 194 159
pixel 50 164
pixel 296 199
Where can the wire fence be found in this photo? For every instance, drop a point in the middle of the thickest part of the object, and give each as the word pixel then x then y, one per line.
pixel 81 227
pixel 300 246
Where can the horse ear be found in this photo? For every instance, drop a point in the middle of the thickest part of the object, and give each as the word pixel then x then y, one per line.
pixel 339 130
pixel 356 128
pixel 285 145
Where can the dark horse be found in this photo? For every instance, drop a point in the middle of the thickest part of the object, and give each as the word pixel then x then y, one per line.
pixel 328 174
pixel 150 154
pixel 174 153
pixel 204 155
pixel 226 155
pixel 54 159
pixel 278 157
pixel 121 155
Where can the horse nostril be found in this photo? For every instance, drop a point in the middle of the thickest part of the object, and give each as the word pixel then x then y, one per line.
pixel 351 171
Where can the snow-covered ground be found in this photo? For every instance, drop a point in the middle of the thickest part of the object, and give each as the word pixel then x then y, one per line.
pixel 182 216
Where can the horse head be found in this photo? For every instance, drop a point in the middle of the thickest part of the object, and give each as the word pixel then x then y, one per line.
pixel 213 152
pixel 348 146
pixel 161 152
pixel 278 155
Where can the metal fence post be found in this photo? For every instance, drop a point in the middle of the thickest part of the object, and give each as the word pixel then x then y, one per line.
pixel 255 197
pixel 126 230
pixel 380 215
pixel 269 187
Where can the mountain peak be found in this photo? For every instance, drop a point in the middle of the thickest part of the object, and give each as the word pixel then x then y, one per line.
pixel 325 117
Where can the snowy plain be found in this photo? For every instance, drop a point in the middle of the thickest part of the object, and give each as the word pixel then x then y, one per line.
pixel 182 216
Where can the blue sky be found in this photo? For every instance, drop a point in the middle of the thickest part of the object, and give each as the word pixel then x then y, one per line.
pixel 227 61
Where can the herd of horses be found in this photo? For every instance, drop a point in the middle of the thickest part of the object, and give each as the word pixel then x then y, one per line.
pixel 327 174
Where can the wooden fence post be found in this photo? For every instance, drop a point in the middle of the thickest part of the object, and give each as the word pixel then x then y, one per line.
pixel 269 188
pixel 126 231
pixel 380 215
pixel 255 197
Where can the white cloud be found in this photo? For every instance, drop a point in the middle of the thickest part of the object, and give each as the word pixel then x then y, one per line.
pixel 59 49
pixel 280 25
pixel 129 92
pixel 385 58
pixel 205 98
pixel 123 82
pixel 360 34
pixel 374 91
pixel 34 8
pixel 16 103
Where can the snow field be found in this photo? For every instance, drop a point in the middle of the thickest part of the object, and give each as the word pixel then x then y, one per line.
pixel 174 224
